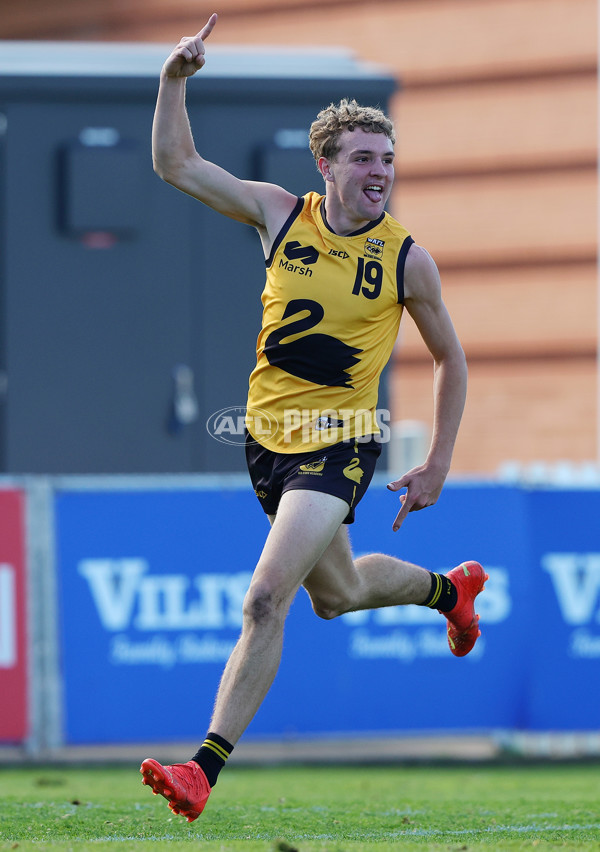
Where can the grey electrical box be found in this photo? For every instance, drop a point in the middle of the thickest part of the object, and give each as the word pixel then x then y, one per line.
pixel 100 182
pixel 128 311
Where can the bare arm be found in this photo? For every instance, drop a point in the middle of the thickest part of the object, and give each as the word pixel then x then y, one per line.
pixel 423 301
pixel 265 206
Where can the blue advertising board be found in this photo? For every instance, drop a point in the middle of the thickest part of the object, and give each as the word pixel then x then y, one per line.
pixel 391 669
pixel 151 585
pixel 564 686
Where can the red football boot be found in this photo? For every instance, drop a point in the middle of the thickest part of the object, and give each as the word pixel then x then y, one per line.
pixel 184 785
pixel 463 623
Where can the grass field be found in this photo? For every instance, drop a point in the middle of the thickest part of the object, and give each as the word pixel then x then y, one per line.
pixel 308 809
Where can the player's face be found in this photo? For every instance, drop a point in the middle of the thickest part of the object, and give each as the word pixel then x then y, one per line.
pixel 362 174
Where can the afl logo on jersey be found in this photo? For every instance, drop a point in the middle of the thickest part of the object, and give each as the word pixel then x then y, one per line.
pixel 374 248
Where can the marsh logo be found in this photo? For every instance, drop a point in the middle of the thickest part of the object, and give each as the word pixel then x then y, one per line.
pixel 307 255
pixel 296 251
pixel 228 425
pixel 576 581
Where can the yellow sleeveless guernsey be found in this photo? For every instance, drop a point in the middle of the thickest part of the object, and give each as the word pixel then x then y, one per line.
pixel 331 310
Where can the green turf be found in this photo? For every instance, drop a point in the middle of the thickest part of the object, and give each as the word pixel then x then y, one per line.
pixel 338 809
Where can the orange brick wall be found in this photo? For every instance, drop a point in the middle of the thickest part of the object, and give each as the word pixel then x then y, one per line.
pixel 497 173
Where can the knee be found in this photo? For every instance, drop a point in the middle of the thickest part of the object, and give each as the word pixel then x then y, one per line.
pixel 329 606
pixel 325 612
pixel 260 606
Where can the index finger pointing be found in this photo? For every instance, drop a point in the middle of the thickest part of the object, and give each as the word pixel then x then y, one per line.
pixel 402 513
pixel 208 27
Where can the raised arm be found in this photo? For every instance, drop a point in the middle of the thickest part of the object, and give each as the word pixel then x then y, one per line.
pixel 423 301
pixel 265 206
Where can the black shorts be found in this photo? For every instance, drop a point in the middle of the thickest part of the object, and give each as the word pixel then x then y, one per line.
pixel 343 470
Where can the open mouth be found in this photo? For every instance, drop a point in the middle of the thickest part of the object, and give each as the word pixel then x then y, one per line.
pixel 374 192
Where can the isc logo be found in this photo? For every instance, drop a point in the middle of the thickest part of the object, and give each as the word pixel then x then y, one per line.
pixel 8 626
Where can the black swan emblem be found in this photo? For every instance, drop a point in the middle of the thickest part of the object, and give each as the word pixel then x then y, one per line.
pixel 318 358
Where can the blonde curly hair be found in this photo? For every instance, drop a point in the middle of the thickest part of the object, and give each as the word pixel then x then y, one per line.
pixel 330 123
